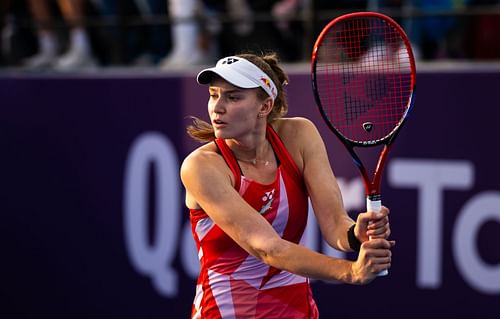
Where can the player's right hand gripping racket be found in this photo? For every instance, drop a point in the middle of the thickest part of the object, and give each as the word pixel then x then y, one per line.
pixel 363 76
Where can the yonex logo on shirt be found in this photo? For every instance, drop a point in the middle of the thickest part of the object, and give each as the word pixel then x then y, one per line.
pixel 268 200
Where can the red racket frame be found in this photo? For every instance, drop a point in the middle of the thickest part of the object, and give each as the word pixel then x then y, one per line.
pixel 372 185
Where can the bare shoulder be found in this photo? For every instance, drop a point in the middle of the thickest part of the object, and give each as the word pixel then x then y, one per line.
pixel 299 135
pixel 204 152
pixel 291 123
pixel 295 130
pixel 202 162
pixel 205 176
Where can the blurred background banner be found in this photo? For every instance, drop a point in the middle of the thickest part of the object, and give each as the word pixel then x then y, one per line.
pixel 93 222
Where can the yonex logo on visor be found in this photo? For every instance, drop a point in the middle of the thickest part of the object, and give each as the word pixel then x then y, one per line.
pixel 241 73
pixel 229 60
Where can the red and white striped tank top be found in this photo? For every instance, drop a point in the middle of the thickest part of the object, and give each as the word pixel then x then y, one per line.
pixel 235 284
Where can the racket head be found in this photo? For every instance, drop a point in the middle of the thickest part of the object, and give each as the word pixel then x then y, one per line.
pixel 364 77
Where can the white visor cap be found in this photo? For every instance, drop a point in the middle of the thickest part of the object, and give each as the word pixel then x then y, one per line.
pixel 241 73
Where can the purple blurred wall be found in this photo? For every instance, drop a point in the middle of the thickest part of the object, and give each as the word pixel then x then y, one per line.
pixel 94 226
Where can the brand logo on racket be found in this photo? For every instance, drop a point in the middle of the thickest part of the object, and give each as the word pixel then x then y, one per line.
pixel 368 126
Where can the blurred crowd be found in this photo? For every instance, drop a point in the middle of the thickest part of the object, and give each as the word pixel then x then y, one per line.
pixel 67 35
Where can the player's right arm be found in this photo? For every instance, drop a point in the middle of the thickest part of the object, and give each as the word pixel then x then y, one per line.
pixel 209 185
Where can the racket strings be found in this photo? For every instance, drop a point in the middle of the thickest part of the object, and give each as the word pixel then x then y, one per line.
pixel 364 78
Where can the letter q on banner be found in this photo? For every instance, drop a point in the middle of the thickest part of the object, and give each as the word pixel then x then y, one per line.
pixel 153 260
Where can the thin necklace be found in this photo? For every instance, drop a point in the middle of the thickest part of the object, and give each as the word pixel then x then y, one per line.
pixel 254 161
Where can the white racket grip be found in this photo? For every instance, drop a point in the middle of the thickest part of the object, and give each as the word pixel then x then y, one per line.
pixel 375 205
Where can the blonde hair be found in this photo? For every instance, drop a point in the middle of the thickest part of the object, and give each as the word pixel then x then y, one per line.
pixel 269 63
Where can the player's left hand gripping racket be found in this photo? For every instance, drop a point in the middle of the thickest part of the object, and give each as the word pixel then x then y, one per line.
pixel 363 77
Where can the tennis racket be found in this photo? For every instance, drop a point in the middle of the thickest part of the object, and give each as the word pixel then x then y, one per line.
pixel 363 78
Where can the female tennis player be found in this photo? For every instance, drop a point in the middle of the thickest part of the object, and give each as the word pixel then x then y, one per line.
pixel 247 188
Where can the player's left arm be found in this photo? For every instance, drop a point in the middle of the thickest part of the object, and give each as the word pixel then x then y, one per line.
pixel 310 155
pixel 325 194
